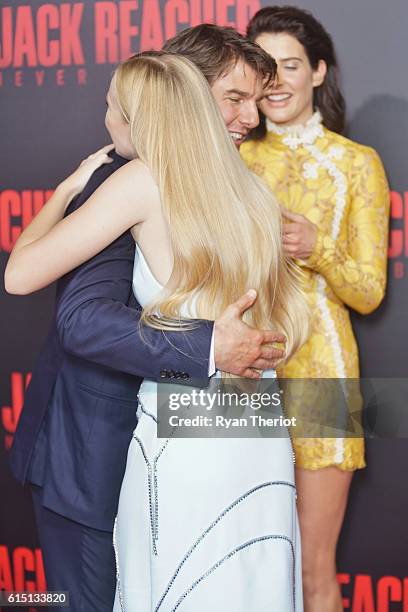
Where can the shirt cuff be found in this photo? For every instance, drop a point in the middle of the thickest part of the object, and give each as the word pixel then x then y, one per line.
pixel 211 362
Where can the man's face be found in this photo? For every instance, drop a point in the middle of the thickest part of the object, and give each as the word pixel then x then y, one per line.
pixel 237 94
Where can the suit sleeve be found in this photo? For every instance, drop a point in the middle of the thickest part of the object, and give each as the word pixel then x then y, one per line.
pixel 96 323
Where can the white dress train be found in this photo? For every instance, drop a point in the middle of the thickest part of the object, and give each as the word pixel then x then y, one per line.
pixel 204 525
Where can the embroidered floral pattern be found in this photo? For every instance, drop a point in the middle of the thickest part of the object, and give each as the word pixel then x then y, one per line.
pixel 310 170
pixel 296 135
pixel 341 187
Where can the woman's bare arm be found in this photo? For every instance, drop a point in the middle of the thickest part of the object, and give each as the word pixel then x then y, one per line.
pixel 49 248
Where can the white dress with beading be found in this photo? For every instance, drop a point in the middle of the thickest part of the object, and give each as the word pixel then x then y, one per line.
pixel 204 524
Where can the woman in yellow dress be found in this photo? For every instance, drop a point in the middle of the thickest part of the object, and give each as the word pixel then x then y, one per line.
pixel 335 201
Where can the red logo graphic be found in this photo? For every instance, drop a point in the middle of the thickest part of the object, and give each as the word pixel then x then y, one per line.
pixel 35 39
pixel 398 247
pixel 11 414
pixel 34 43
pixel 17 209
pixel 366 596
pixel 46 37
pixel 22 569
pixel 116 30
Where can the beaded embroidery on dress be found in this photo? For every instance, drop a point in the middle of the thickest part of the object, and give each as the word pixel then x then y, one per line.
pixel 204 524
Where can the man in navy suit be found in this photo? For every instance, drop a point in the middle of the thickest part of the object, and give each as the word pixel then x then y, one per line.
pixel 80 408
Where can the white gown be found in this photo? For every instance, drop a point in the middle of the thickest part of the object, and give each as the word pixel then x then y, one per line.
pixel 204 525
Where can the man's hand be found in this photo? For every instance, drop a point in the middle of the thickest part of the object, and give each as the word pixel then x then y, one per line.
pixel 240 349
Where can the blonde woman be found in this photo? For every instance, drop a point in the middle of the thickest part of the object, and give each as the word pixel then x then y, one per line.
pixel 202 523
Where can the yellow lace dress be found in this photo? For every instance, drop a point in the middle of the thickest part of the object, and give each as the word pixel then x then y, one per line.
pixel 340 186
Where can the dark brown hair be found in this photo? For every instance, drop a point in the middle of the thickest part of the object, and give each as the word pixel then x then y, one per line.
pixel 215 50
pixel 318 45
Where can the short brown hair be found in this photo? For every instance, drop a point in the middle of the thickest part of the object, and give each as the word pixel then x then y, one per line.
pixel 215 50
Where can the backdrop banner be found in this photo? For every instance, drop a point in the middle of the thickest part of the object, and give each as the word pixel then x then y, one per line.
pixel 56 60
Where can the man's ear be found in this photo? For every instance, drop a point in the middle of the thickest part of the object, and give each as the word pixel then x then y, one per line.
pixel 319 74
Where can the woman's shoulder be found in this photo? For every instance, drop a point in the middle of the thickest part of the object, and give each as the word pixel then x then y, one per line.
pixel 135 169
pixel 359 160
pixel 136 179
pixel 252 146
pixel 258 155
pixel 356 150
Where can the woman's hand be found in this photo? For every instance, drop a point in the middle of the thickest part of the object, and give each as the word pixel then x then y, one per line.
pixel 75 183
pixel 299 235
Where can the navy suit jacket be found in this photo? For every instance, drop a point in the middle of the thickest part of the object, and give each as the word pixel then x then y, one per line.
pixel 80 407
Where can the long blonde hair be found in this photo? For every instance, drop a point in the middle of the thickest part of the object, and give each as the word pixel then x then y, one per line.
pixel 225 224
